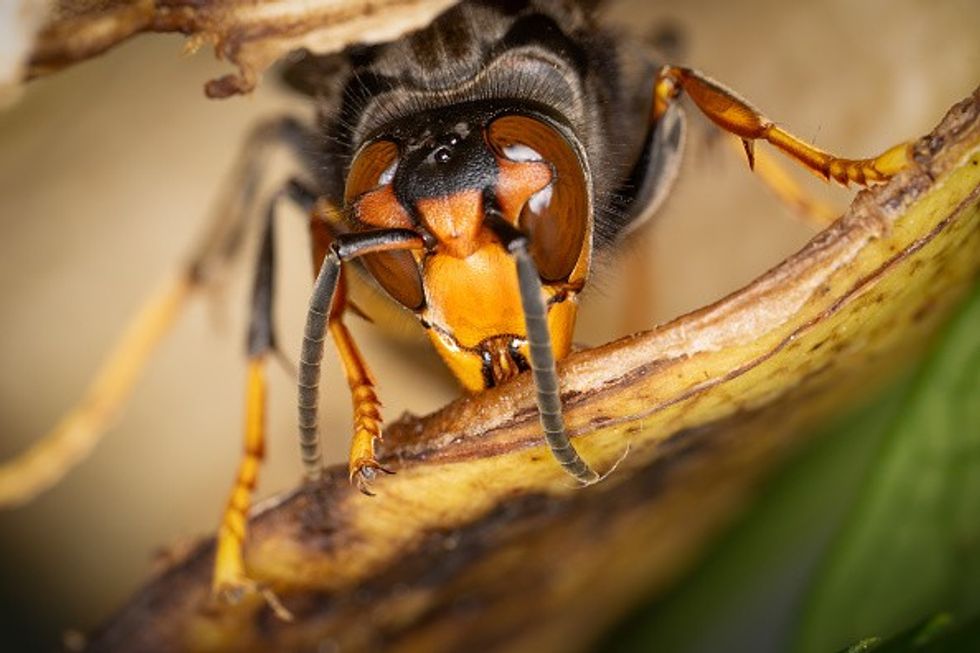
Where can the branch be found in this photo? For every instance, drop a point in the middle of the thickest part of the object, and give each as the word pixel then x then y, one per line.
pixel 252 35
pixel 480 540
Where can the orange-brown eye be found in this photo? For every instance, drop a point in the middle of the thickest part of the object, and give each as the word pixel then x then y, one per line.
pixel 556 217
pixel 373 169
pixel 374 166
pixel 398 273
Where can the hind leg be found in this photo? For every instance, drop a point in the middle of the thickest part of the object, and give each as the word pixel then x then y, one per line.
pixel 230 580
pixel 738 117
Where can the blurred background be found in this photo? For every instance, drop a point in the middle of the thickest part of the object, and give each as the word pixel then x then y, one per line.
pixel 107 172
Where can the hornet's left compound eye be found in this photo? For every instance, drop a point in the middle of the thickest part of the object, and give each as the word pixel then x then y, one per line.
pixel 369 190
pixel 556 217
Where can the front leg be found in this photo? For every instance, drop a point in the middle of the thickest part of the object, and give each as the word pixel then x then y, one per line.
pixel 327 304
pixel 367 408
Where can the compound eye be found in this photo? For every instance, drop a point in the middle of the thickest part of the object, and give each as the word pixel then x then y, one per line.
pixel 556 217
pixel 374 167
pixel 397 272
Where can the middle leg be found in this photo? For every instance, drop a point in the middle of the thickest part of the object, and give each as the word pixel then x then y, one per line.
pixel 230 580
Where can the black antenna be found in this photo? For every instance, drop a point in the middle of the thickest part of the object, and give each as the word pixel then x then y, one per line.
pixel 542 357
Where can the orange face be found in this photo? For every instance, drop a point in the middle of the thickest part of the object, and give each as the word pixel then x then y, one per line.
pixel 463 286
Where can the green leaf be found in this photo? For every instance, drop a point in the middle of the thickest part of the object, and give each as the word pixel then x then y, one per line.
pixel 935 635
pixel 910 546
pixel 728 602
pixel 747 593
pixel 913 639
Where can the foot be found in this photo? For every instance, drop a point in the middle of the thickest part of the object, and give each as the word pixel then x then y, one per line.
pixel 230 587
pixel 230 590
pixel 363 471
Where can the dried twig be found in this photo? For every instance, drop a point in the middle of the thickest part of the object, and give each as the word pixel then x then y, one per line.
pixel 252 35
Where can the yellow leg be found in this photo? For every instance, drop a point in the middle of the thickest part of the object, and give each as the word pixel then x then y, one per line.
pixel 813 211
pixel 367 409
pixel 47 461
pixel 738 117
pixel 230 579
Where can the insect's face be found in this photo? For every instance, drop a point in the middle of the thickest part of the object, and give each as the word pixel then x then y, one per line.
pixel 444 174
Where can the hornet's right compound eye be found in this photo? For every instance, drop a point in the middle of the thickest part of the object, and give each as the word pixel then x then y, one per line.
pixel 373 205
pixel 374 167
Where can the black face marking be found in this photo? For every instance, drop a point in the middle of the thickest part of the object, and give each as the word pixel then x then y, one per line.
pixel 443 166
pixel 444 152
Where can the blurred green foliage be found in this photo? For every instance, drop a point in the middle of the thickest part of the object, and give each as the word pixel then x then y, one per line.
pixel 911 543
pixel 874 528
pixel 938 634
